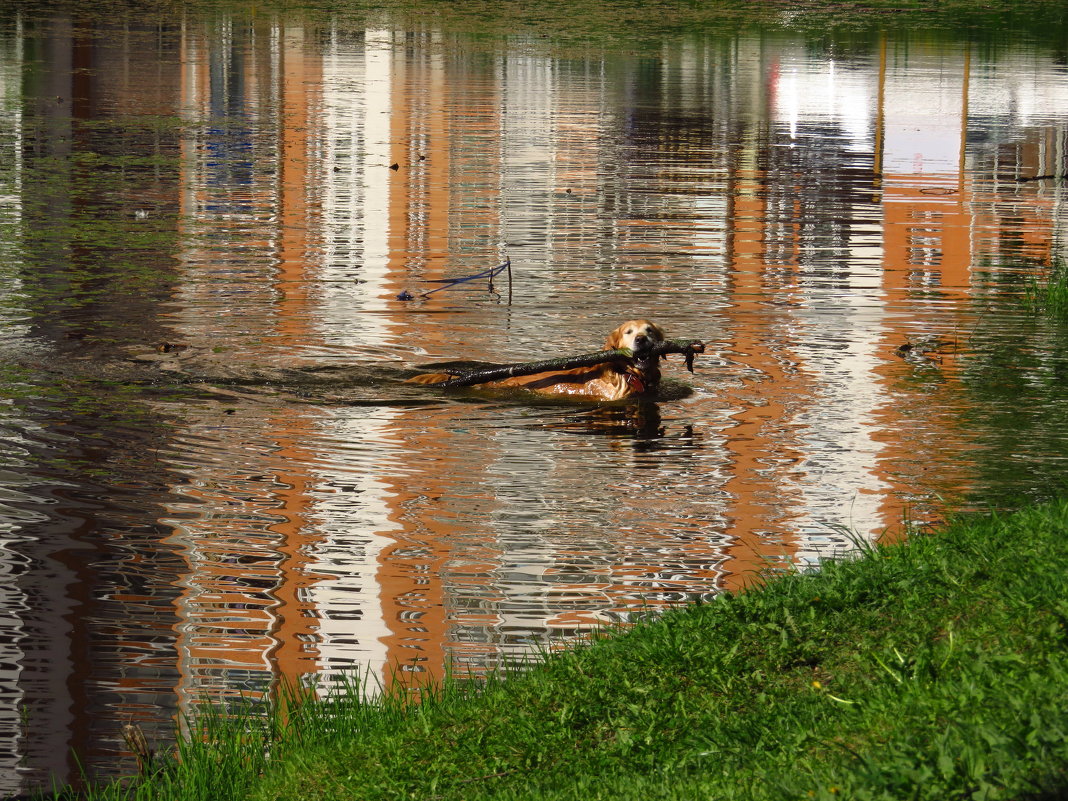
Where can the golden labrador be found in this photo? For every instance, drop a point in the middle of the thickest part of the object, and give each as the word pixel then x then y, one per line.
pixel 609 381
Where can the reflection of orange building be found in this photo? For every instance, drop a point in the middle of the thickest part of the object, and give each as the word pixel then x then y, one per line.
pixel 937 237
pixel 345 233
pixel 943 227
pixel 255 605
pixel 759 455
pixel 244 624
pixel 928 249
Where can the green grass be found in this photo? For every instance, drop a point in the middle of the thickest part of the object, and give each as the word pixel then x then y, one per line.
pixel 1050 295
pixel 937 669
pixel 636 25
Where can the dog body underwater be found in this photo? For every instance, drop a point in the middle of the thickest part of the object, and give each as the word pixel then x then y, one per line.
pixel 609 381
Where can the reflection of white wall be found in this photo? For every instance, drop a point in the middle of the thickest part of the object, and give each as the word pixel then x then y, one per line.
pixel 357 82
pixel 835 341
pixel 923 100
pixel 10 120
pixel 924 123
pixel 351 506
pixel 806 95
pixel 378 53
pixel 710 236
pixel 841 486
pixel 528 153
pixel 923 108
pixel 1019 87
pixel 810 93
pixel 352 513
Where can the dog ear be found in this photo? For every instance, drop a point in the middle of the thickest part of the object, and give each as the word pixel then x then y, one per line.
pixel 612 342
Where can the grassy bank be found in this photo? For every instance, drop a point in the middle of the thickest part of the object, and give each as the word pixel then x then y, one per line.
pixel 630 24
pixel 936 669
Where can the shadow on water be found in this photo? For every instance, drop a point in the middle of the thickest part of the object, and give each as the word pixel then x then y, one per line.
pixel 638 425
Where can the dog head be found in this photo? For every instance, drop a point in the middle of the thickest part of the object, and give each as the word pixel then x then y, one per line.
pixel 635 335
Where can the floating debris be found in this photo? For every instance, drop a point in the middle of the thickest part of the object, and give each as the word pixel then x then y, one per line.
pixel 926 349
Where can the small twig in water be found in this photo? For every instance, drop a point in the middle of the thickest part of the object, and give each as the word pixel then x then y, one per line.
pixel 449 283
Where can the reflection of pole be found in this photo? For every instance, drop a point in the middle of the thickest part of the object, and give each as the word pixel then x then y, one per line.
pixel 964 119
pixel 877 181
pixel 292 188
pixel 747 443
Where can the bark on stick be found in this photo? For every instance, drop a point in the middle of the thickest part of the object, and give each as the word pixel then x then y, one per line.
pixel 689 347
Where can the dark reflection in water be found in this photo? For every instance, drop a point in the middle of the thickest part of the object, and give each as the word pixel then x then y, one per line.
pixel 90 205
pixel 213 478
pixel 90 586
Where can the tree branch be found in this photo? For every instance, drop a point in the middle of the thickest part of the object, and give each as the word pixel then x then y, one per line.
pixel 689 347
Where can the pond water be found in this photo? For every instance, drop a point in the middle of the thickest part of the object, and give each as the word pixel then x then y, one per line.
pixel 213 478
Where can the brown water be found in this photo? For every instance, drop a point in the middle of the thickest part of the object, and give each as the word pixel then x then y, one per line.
pixel 212 477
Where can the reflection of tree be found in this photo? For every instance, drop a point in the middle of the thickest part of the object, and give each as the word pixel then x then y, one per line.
pixel 91 238
pixel 1014 377
pixel 97 625
pixel 98 184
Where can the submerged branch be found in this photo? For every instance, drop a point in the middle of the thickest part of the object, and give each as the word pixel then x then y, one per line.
pixel 689 347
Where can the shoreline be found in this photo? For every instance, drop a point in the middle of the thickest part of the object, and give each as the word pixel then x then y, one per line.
pixel 935 667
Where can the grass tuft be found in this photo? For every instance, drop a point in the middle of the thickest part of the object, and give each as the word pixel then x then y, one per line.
pixel 1050 295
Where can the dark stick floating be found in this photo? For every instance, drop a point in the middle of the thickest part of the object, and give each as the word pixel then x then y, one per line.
pixel 689 347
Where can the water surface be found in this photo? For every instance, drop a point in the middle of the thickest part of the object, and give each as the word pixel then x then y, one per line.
pixel 213 477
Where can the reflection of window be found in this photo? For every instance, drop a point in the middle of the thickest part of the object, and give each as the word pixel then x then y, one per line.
pixel 924 252
pixel 925 277
pixel 924 239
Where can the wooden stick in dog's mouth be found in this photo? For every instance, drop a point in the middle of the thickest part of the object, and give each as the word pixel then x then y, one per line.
pixel 689 347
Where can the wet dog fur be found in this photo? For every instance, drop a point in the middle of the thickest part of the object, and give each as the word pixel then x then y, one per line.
pixel 609 381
